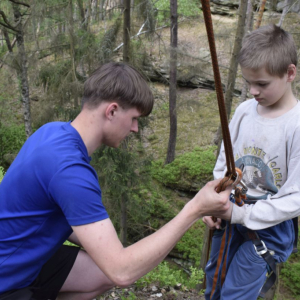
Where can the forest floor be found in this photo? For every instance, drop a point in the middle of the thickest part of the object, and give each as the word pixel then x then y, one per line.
pixel 150 293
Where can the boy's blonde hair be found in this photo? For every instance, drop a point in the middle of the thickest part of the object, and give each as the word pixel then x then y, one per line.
pixel 270 47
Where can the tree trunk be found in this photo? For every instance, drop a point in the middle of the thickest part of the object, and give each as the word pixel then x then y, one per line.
pixel 35 25
pixel 249 26
pixel 233 65
pixel 123 233
pixel 7 40
pixel 233 60
pixel 102 9
pixel 287 5
pixel 173 82
pixel 126 58
pixel 24 24
pixel 88 15
pixel 22 71
pixel 72 47
pixel 250 15
pixel 126 31
pixel 82 15
pixel 204 256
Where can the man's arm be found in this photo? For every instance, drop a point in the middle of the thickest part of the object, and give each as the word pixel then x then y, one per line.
pixel 125 265
pixel 74 239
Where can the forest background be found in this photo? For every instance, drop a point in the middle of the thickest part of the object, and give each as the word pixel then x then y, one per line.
pixel 48 49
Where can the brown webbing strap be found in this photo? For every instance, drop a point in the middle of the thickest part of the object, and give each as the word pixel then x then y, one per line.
pixel 232 175
pixel 260 13
pixel 219 90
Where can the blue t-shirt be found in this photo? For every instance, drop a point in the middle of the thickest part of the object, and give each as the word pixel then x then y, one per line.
pixel 48 188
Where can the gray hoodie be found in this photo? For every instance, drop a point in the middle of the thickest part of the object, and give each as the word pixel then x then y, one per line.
pixel 269 149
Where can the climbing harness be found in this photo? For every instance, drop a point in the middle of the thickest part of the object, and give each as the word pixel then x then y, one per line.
pixel 267 255
pixel 233 177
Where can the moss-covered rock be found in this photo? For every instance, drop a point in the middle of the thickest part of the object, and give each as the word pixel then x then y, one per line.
pixel 188 172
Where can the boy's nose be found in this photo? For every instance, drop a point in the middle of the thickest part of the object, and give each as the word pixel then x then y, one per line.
pixel 253 91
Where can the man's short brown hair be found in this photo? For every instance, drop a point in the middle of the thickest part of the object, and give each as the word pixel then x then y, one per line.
pixel 270 47
pixel 121 83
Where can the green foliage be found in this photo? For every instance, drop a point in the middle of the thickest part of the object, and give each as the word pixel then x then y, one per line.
pixel 12 139
pixel 290 274
pixel 1 173
pixel 3 50
pixel 117 169
pixel 131 296
pixel 164 275
pixel 196 277
pixel 108 41
pixel 120 173
pixel 191 243
pixel 68 243
pixel 53 74
pixel 196 165
pixel 86 46
pixel 186 8
pixel 147 11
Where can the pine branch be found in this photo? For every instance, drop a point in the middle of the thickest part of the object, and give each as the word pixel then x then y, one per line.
pixel 20 3
pixel 7 24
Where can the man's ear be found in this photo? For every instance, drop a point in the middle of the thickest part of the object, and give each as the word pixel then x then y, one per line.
pixel 111 110
pixel 291 72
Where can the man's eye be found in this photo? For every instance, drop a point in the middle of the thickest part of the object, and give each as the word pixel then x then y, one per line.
pixel 262 84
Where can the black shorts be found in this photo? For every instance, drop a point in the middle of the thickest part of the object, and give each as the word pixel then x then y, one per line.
pixel 51 278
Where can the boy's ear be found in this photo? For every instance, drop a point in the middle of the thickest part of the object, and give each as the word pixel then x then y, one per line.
pixel 110 110
pixel 291 72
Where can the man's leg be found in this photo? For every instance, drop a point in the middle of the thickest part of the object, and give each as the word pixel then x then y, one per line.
pixel 85 280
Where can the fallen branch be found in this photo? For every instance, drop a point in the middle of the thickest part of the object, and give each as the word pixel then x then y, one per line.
pixel 140 32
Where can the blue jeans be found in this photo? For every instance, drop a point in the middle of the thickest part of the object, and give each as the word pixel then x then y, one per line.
pixel 245 269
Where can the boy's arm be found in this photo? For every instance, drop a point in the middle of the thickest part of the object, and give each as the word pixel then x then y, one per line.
pixel 283 206
pixel 125 265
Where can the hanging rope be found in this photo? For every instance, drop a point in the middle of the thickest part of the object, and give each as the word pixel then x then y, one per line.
pixel 219 90
pixel 260 13
pixel 233 177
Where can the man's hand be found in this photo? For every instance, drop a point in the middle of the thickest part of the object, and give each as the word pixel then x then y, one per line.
pixel 210 203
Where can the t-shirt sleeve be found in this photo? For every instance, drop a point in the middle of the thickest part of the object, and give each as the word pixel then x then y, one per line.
pixel 280 207
pixel 75 189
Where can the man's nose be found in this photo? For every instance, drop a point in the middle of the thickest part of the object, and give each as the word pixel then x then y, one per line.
pixel 134 126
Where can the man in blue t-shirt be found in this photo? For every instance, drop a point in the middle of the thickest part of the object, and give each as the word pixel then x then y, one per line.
pixel 51 193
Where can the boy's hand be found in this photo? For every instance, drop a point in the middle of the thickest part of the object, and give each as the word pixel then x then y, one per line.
pixel 211 223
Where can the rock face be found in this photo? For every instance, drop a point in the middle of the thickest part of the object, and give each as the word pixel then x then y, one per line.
pixel 232 4
pixel 223 7
pixel 186 77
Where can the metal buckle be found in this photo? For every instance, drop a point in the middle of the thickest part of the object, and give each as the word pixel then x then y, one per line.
pixel 244 188
pixel 262 251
